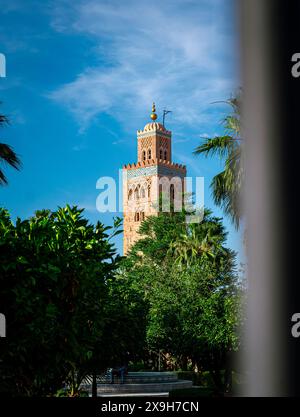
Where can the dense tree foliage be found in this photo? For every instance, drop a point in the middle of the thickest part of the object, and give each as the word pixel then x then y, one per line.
pixel 66 313
pixel 74 307
pixel 187 277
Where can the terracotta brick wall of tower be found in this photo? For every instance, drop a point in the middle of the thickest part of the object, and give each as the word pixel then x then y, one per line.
pixel 141 199
pixel 141 180
pixel 160 147
pixel 139 203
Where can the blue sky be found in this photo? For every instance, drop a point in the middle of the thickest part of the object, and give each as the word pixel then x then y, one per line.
pixel 81 78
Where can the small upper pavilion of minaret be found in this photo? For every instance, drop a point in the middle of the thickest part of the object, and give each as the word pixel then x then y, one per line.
pixel 154 141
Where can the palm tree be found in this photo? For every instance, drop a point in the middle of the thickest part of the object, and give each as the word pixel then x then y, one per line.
pixel 227 185
pixel 7 154
pixel 199 240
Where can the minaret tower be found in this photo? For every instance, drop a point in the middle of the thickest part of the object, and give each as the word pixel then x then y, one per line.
pixel 153 173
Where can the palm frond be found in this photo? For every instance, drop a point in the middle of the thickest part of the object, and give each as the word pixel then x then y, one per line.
pixel 3 179
pixel 226 186
pixel 8 155
pixel 226 194
pixel 219 145
pixel 3 120
pixel 232 126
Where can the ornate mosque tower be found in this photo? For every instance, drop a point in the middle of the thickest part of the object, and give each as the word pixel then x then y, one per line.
pixel 145 180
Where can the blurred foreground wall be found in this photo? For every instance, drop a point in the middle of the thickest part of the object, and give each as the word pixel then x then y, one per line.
pixel 271 121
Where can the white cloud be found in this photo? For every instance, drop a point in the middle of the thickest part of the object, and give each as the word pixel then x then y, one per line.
pixel 178 54
pixel 192 164
pixel 88 206
pixel 78 148
pixel 117 142
pixel 181 140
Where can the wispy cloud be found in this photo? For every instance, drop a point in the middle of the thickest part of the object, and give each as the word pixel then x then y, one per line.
pixel 181 140
pixel 179 54
pixel 88 206
pixel 193 164
pixel 88 201
pixel 78 148
pixel 117 142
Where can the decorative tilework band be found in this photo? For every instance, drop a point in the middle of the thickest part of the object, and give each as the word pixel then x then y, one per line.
pixel 154 170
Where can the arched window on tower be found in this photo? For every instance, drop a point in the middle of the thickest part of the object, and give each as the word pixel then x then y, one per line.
pixel 136 193
pixel 149 191
pixel 137 217
pixel 172 191
pixel 160 154
pixel 142 216
pixel 149 153
pixel 160 197
pixel 130 195
pixel 165 155
pixel 144 155
pixel 142 192
pixel 172 196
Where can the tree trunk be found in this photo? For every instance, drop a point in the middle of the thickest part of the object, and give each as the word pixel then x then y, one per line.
pixel 184 363
pixel 228 379
pixel 228 373
pixel 94 385
pixel 216 376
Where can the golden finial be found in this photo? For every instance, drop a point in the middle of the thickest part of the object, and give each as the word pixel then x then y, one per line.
pixel 153 114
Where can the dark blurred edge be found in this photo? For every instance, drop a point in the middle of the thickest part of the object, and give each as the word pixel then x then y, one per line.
pixel 270 35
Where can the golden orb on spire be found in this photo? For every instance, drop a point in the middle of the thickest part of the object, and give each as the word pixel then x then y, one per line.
pixel 153 114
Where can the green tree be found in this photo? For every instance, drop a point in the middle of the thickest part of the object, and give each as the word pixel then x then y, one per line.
pixel 57 290
pixel 199 240
pixel 7 154
pixel 227 185
pixel 188 281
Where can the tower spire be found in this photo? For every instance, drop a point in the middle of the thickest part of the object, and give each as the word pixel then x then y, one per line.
pixel 153 114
